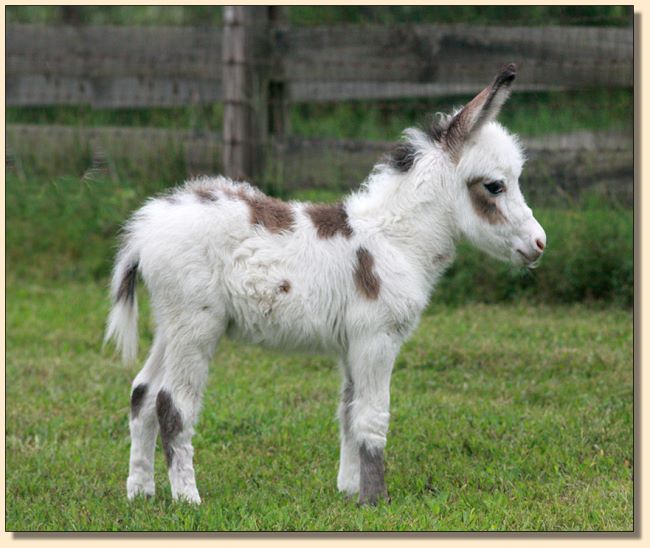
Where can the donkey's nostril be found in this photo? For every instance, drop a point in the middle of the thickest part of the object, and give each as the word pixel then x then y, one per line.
pixel 540 244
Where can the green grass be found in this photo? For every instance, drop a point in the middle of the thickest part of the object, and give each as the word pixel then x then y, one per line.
pixel 204 117
pixel 504 417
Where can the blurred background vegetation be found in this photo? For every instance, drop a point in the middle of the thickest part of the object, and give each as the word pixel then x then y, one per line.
pixel 322 15
pixel 62 219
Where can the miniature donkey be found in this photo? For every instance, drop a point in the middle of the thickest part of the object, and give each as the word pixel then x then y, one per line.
pixel 350 279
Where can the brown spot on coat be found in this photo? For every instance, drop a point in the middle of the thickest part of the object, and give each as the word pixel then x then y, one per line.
pixel 285 286
pixel 329 220
pixel 170 423
pixel 271 213
pixel 365 278
pixel 137 397
pixel 484 205
pixel 371 481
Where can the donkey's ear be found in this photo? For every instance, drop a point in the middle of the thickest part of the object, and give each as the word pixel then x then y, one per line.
pixel 480 110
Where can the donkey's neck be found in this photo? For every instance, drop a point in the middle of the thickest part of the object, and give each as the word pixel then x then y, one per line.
pixel 413 212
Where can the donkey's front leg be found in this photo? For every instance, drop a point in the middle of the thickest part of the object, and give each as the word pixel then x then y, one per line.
pixel 371 363
pixel 347 480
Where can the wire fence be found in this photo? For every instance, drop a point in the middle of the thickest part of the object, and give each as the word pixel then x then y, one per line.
pixel 318 103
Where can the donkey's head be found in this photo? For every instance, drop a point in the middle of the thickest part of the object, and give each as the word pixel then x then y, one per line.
pixel 487 161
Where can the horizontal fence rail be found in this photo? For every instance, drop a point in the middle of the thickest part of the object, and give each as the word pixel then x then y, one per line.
pixel 567 163
pixel 119 67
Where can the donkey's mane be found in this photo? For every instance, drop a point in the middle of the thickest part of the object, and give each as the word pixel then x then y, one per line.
pixel 403 155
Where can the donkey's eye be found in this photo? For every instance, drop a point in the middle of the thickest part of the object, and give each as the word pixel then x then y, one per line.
pixel 495 187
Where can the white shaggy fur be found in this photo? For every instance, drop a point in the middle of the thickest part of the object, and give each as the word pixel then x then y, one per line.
pixel 211 271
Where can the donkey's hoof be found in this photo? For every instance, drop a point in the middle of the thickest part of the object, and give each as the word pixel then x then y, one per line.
pixel 373 499
pixel 191 498
pixel 136 488
pixel 348 488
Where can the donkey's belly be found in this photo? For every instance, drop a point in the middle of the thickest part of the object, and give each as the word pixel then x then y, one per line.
pixel 286 320
pixel 292 338
pixel 287 305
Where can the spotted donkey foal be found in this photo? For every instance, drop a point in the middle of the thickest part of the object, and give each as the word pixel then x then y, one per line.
pixel 351 279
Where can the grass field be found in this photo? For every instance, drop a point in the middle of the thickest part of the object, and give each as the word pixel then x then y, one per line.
pixel 504 417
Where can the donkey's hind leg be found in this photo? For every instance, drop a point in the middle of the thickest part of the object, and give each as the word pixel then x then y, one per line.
pixel 143 423
pixel 178 401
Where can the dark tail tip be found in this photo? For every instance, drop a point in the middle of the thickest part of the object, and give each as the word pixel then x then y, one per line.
pixel 126 291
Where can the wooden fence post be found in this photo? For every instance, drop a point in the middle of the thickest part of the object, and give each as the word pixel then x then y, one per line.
pixel 254 92
pixel 278 98
pixel 70 15
pixel 244 127
pixel 278 107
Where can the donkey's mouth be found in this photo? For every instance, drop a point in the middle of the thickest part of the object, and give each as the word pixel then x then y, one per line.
pixel 529 262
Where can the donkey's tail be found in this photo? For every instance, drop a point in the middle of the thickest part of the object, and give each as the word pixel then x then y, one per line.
pixel 122 325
